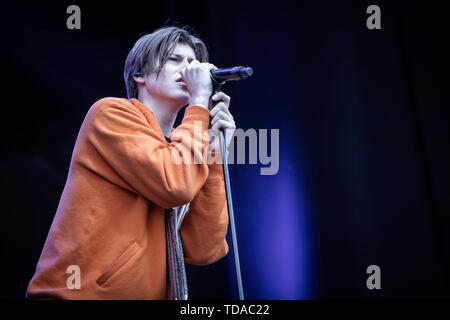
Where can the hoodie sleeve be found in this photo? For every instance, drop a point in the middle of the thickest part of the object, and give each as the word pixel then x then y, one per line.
pixel 142 162
pixel 204 227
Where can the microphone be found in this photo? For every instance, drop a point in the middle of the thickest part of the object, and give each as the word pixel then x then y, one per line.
pixel 233 73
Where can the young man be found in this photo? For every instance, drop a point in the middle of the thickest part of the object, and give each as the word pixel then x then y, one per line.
pixel 115 233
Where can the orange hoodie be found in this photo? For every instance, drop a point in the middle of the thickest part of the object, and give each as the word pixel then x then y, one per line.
pixel 110 218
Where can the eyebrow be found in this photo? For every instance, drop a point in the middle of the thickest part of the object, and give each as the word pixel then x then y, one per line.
pixel 181 56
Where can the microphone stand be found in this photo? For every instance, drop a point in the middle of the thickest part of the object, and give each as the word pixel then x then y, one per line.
pixel 217 86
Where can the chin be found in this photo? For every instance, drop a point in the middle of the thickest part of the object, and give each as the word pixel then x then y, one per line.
pixel 182 101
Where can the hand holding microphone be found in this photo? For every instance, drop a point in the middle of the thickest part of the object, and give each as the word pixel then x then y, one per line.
pixel 196 77
pixel 221 116
pixel 201 89
pixel 221 119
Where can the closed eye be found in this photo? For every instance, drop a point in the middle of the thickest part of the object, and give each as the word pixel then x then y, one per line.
pixel 178 57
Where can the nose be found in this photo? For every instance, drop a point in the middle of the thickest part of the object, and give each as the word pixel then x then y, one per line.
pixel 184 63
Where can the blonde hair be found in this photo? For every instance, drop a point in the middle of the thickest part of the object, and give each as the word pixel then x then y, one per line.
pixel 151 52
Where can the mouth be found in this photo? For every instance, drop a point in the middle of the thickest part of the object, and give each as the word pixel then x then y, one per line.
pixel 181 82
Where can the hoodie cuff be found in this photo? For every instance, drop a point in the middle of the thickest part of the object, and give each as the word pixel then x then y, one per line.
pixel 215 164
pixel 197 113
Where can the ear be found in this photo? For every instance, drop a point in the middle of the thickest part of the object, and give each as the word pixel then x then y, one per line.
pixel 138 78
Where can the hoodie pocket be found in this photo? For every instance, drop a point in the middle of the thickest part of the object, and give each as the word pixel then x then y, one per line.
pixel 126 256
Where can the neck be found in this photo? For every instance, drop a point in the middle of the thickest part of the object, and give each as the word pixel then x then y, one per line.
pixel 165 111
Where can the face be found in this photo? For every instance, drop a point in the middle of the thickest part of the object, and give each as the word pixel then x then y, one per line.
pixel 167 85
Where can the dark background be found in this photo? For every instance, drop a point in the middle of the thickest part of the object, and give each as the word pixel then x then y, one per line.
pixel 363 126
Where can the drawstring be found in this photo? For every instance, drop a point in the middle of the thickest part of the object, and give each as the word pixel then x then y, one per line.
pixel 175 257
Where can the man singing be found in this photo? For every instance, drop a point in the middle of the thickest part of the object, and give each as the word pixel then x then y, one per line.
pixel 116 231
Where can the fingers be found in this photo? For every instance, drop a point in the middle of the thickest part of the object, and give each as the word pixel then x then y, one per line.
pixel 192 65
pixel 212 67
pixel 206 65
pixel 197 65
pixel 221 96
pixel 224 124
pixel 198 82
pixel 222 116
pixel 221 106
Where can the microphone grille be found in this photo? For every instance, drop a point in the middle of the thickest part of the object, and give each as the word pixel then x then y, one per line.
pixel 249 71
